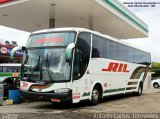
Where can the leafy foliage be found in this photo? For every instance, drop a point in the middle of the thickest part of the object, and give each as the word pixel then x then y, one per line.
pixel 12 43
pixel 155 68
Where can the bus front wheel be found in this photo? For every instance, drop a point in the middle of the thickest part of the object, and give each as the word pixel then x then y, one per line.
pixel 96 93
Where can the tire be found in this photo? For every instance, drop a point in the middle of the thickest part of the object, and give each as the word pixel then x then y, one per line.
pixel 140 89
pixel 156 85
pixel 96 95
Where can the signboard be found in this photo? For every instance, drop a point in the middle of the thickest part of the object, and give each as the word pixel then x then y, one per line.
pixel 4 1
pixel 6 51
pixel 52 39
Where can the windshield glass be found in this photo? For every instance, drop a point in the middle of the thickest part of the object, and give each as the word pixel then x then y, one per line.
pixel 47 65
pixel 51 39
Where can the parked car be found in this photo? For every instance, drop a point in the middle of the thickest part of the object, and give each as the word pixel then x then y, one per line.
pixel 156 83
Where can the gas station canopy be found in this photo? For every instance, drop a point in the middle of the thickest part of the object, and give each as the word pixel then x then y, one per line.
pixel 106 16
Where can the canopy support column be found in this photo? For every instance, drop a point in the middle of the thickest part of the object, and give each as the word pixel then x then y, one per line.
pixel 51 23
pixel 90 22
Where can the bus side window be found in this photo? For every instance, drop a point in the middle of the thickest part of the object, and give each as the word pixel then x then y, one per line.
pixel 113 50
pixel 4 69
pixel 1 69
pixel 16 69
pixel 99 47
pixel 9 69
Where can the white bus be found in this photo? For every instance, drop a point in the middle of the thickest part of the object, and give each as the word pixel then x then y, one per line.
pixel 76 64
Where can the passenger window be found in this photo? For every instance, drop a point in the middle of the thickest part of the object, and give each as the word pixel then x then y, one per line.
pixel 7 69
pixel 112 50
pixel 99 47
pixel 130 54
pixel 122 52
pixel 1 70
pixel 148 58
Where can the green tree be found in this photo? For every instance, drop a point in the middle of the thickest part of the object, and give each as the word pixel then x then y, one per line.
pixel 156 69
pixel 155 65
pixel 14 43
pixel 7 43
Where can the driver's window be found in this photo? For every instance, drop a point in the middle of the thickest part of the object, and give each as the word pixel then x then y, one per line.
pixel 82 55
pixel 77 66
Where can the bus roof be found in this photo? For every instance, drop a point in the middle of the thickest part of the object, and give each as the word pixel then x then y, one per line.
pixel 85 30
pixel 10 64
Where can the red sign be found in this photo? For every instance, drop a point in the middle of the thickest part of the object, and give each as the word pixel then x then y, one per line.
pixel 4 50
pixel 25 84
pixel 76 96
pixel 15 74
pixel 116 67
pixel 49 40
pixel 55 100
pixel 4 1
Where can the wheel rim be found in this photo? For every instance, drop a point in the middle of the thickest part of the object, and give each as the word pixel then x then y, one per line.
pixel 156 85
pixel 95 94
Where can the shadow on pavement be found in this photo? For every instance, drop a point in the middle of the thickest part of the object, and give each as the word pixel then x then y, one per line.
pixel 81 105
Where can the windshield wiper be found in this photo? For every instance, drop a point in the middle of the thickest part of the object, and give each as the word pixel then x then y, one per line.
pixel 47 67
pixel 35 68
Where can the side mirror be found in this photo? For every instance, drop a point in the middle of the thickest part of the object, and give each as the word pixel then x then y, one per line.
pixel 14 51
pixel 69 51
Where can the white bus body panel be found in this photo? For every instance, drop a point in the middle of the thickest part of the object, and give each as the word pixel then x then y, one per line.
pixel 25 86
pixel 147 83
pixel 112 82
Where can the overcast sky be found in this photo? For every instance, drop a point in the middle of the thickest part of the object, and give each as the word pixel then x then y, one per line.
pixel 13 35
pixel 150 15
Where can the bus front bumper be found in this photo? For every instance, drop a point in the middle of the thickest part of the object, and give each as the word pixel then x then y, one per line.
pixel 48 97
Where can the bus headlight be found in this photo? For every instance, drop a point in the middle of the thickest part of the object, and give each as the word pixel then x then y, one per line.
pixel 62 90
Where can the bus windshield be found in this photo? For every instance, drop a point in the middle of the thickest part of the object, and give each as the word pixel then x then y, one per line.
pixel 47 65
pixel 46 61
pixel 51 39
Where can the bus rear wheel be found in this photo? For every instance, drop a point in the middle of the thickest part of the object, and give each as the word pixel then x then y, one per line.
pixel 96 93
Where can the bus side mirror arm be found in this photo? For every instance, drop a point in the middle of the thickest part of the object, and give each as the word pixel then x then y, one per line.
pixel 69 51
pixel 14 51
